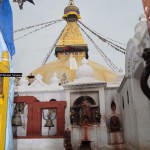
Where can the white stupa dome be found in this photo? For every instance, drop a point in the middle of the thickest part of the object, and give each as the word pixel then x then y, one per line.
pixel 54 80
pixel 85 71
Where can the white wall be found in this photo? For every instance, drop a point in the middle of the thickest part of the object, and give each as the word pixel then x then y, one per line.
pixel 128 116
pixel 39 144
pixel 136 112
pixel 111 94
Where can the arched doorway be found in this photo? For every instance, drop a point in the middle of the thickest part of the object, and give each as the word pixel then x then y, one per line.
pixel 84 112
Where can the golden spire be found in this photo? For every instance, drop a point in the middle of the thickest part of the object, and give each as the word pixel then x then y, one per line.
pixel 71 36
pixel 71 2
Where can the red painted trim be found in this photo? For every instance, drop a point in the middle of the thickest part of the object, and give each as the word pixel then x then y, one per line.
pixel 34 123
pixel 25 99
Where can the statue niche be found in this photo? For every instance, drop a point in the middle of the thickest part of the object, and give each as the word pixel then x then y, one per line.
pixel 114 122
pixel 115 132
pixel 84 112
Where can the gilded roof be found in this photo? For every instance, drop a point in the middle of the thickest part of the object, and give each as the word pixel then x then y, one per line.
pixel 71 36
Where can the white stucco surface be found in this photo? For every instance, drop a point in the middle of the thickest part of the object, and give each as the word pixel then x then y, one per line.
pixel 136 110
pixel 38 144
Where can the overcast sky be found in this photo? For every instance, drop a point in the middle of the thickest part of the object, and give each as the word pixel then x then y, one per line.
pixel 115 19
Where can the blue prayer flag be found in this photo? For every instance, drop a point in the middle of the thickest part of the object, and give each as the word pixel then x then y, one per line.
pixel 6 25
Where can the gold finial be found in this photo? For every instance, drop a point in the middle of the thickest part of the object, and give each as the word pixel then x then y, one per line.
pixel 71 2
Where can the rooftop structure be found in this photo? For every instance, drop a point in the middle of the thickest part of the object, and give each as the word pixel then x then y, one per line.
pixel 70 51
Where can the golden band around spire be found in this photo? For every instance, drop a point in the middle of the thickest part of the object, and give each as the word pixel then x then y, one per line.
pixel 71 12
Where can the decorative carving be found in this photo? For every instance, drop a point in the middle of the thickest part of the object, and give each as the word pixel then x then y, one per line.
pixel 84 86
pixel 72 117
pixel 64 79
pixel 98 116
pixel 84 112
pixel 140 28
pixel 67 139
pixel 31 78
pixel 145 74
pixel 17 81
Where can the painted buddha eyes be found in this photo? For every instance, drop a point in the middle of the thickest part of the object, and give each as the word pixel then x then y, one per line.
pixel 74 53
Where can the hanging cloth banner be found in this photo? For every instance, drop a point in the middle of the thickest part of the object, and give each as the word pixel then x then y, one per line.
pixel 6 25
pixel 6 43
pixel 146 5
pixel 9 136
